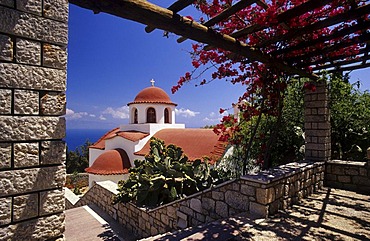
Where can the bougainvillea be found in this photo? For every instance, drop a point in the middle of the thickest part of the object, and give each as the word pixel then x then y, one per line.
pixel 264 84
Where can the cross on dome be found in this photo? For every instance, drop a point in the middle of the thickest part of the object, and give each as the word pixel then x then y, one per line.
pixel 152 81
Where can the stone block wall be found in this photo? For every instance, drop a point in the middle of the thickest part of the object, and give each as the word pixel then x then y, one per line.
pixel 262 194
pixel 317 123
pixel 348 175
pixel 283 186
pixel 33 57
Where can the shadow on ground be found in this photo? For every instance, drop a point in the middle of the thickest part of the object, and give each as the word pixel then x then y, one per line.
pixel 330 214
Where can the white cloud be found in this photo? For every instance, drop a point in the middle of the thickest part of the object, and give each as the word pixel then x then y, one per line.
pixel 211 119
pixel 214 118
pixel 186 112
pixel 118 113
pixel 101 117
pixel 92 115
pixel 71 115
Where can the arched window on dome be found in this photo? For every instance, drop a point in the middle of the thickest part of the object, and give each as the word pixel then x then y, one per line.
pixel 135 116
pixel 151 116
pixel 166 116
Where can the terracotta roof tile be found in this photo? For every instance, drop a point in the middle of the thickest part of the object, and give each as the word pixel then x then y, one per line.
pixel 100 144
pixel 196 143
pixel 132 135
pixel 129 135
pixel 110 162
pixel 153 95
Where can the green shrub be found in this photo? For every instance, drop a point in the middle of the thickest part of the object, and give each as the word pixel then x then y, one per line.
pixel 164 176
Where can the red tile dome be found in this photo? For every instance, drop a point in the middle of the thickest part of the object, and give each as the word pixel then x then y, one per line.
pixel 152 95
pixel 110 162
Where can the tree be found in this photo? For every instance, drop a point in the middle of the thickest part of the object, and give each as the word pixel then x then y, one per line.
pixel 78 159
pixel 265 85
pixel 350 115
pixel 350 119
pixel 288 143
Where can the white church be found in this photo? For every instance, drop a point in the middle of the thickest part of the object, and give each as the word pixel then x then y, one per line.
pixel 152 113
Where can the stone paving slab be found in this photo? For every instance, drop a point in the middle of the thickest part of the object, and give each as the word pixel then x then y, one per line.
pixel 330 214
pixel 92 224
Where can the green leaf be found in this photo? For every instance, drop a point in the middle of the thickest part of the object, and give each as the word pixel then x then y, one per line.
pixel 141 196
pixel 152 199
pixel 157 184
pixel 173 194
pixel 174 173
pixel 167 162
pixel 197 162
pixel 155 152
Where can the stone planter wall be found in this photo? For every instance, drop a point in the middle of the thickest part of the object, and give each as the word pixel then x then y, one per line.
pixel 348 175
pixel 262 194
pixel 283 186
pixel 33 58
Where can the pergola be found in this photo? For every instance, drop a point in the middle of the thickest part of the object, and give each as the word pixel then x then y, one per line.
pixel 307 37
pixel 33 59
pixel 169 19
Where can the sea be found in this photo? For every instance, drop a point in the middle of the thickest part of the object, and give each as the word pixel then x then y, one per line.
pixel 77 137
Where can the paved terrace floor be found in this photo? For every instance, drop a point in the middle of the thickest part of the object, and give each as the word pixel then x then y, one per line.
pixel 89 223
pixel 331 214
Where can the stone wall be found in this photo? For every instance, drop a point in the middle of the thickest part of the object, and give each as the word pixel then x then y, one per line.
pixel 348 175
pixel 262 194
pixel 33 39
pixel 283 186
pixel 317 123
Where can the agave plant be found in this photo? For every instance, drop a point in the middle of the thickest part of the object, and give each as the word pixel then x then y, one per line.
pixel 166 174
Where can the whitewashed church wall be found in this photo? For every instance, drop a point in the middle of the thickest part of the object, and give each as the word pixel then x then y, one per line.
pixel 93 154
pixel 172 114
pixel 99 178
pixel 129 146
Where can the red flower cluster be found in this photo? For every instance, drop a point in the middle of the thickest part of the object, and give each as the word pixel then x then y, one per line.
pixel 264 84
pixel 309 86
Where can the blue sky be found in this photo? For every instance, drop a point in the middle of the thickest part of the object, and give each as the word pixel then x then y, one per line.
pixel 111 59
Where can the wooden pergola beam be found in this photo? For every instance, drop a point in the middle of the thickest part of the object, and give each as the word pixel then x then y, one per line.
pixel 230 11
pixel 335 47
pixel 225 14
pixel 175 7
pixel 180 5
pixel 330 21
pixel 327 59
pixel 283 17
pixel 338 64
pixel 341 33
pixel 301 9
pixel 349 68
pixel 149 14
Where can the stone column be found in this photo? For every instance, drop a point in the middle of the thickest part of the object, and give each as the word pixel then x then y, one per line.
pixel 317 123
pixel 33 41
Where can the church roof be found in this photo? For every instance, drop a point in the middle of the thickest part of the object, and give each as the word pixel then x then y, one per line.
pixel 129 135
pixel 152 95
pixel 196 143
pixel 110 162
